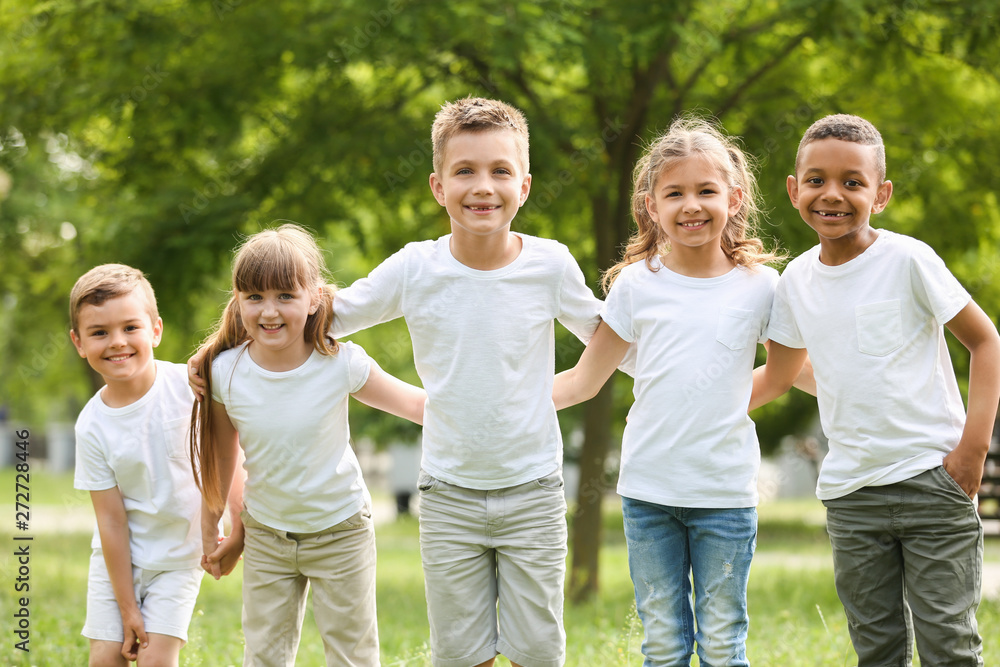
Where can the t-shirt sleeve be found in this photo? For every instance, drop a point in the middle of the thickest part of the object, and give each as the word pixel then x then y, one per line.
pixel 92 470
pixel 579 309
pixel 372 300
pixel 934 286
pixel 782 328
pixel 218 373
pixel 772 282
pixel 617 311
pixel 359 365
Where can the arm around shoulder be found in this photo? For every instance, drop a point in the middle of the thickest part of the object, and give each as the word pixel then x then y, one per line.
pixel 390 394
pixel 582 382
pixel 782 371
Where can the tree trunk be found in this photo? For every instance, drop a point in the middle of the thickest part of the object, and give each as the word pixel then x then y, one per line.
pixel 586 521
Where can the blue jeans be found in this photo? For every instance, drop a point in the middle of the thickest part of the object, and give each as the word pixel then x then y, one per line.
pixel 668 547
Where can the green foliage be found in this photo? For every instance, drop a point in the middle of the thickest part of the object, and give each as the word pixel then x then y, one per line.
pixel 155 134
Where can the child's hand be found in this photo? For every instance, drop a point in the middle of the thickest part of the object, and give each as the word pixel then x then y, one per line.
pixel 966 468
pixel 223 560
pixel 135 635
pixel 195 381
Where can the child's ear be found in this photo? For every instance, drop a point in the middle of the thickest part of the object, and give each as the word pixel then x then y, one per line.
pixel 792 185
pixel 77 343
pixel 437 187
pixel 651 209
pixel 316 298
pixel 735 199
pixel 157 331
pixel 882 197
pixel 525 189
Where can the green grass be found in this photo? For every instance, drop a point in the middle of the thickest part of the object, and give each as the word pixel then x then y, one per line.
pixel 796 619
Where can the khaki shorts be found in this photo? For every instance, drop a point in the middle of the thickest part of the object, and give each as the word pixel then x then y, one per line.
pixel 494 568
pixel 278 569
pixel 166 599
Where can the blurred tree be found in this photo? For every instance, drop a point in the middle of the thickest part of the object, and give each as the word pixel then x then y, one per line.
pixel 155 133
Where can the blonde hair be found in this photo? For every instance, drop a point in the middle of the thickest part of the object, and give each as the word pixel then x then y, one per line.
pixel 477 114
pixel 285 258
pixel 687 137
pixel 109 281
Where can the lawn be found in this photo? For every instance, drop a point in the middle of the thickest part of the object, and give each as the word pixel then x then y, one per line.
pixel 796 619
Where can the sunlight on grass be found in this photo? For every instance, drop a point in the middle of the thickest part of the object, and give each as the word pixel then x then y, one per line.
pixel 795 616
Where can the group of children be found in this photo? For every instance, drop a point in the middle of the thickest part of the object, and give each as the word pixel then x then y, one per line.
pixel 269 434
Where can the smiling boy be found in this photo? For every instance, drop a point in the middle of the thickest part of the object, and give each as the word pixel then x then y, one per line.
pixel 905 460
pixel 131 453
pixel 480 304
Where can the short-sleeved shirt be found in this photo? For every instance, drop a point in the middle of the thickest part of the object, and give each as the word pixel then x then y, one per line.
pixel 302 475
pixel 484 348
pixel 688 441
pixel 143 449
pixel 888 399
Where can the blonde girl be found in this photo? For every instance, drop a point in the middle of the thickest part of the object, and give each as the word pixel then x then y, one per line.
pixel 693 294
pixel 279 386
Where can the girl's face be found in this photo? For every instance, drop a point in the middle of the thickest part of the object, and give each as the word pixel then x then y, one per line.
pixel 691 202
pixel 276 320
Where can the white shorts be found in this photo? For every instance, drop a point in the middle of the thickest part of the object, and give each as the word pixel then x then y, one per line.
pixel 494 566
pixel 166 600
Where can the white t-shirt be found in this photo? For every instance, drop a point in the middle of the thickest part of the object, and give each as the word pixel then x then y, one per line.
pixel 142 449
pixel 484 348
pixel 888 398
pixel 302 475
pixel 688 441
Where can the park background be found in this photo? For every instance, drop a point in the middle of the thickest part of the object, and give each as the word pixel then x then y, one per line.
pixel 156 133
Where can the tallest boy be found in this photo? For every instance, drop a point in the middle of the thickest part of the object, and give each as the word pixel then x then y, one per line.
pixel 480 304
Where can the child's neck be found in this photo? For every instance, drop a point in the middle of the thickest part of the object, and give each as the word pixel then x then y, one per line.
pixel 487 252
pixel 280 361
pixel 698 262
pixel 834 252
pixel 121 393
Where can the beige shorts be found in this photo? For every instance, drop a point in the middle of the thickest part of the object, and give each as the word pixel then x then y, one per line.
pixel 494 567
pixel 166 599
pixel 278 569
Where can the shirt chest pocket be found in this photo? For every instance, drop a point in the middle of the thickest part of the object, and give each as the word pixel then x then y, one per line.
pixel 175 437
pixel 880 327
pixel 734 327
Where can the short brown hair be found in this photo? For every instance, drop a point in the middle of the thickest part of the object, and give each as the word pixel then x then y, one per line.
pixel 846 127
pixel 477 114
pixel 109 281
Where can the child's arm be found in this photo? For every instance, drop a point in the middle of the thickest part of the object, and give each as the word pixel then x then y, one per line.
pixel 229 550
pixel 390 394
pixel 785 367
pixel 195 381
pixel 582 382
pixel 227 447
pixel 112 524
pixel 973 328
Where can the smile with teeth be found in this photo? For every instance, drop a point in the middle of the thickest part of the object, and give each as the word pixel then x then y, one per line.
pixel 482 208
pixel 119 357
pixel 832 214
pixel 271 327
pixel 693 223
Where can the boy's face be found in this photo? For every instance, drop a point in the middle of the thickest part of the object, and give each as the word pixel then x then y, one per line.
pixel 482 182
pixel 117 337
pixel 836 188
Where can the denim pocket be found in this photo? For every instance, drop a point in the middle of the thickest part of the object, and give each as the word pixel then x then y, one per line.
pixel 733 329
pixel 880 327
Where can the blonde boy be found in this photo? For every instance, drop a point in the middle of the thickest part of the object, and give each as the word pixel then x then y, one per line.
pixel 132 457
pixel 480 304
pixel 905 461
